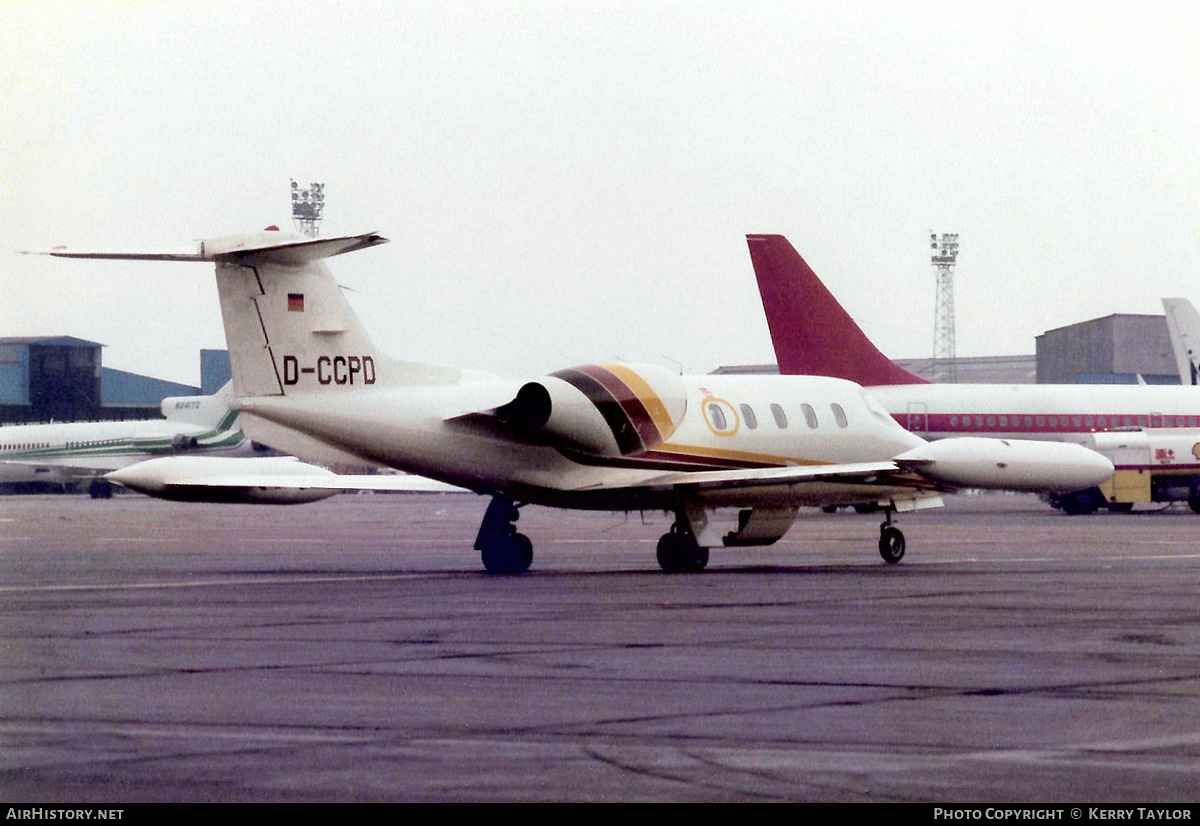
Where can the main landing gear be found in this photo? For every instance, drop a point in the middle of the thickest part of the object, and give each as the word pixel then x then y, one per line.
pixel 504 551
pixel 891 540
pixel 678 551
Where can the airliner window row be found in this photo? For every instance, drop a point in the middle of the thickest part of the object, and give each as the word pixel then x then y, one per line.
pixel 780 417
pixel 1071 422
pixel 96 443
pixel 28 446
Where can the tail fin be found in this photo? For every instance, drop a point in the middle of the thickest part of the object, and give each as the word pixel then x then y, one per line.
pixel 811 332
pixel 213 411
pixel 288 327
pixel 1183 322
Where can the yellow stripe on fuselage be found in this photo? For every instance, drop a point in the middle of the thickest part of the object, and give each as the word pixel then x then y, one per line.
pixel 646 395
pixel 734 455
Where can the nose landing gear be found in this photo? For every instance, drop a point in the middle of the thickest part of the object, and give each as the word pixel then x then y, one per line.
pixel 891 540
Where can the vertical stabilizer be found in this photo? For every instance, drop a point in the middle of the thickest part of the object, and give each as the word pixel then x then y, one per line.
pixel 207 411
pixel 812 333
pixel 289 327
pixel 1183 322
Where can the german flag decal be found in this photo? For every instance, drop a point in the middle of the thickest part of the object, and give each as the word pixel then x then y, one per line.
pixel 634 413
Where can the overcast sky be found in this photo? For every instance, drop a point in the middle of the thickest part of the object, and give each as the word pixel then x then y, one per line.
pixel 566 182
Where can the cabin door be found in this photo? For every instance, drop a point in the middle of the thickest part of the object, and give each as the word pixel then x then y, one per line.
pixel 918 417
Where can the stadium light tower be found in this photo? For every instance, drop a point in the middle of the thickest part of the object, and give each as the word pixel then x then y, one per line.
pixel 307 205
pixel 945 253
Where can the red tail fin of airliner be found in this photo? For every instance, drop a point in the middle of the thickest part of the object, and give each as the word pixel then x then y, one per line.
pixel 811 332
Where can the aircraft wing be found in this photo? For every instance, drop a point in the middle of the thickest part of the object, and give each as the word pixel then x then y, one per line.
pixel 945 465
pixel 860 473
pixel 850 483
pixel 64 469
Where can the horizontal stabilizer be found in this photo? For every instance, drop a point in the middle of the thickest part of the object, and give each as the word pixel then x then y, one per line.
pixel 267 480
pixel 269 246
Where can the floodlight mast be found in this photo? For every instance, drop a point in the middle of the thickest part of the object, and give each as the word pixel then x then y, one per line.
pixel 944 255
pixel 307 206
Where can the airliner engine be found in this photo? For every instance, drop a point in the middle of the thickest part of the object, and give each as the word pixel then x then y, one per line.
pixel 606 410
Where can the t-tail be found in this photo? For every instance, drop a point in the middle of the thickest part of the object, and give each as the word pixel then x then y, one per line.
pixel 812 334
pixel 288 325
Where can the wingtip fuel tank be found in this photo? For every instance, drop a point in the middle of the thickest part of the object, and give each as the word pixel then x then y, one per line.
pixel 1008 464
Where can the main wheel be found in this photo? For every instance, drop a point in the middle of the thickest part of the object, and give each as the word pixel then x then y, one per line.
pixel 513 555
pixel 1078 503
pixel 891 544
pixel 679 553
pixel 1194 500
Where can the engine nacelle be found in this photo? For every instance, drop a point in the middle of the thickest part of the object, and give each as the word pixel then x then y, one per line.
pixel 604 409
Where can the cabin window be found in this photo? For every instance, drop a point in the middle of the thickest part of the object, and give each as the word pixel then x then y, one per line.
pixel 991 421
pixel 1102 421
pixel 1143 421
pixel 717 415
pixel 954 421
pixel 1076 421
pixel 1004 421
pixel 810 415
pixel 1127 421
pixel 780 417
pixel 978 421
pixel 839 415
pixel 748 416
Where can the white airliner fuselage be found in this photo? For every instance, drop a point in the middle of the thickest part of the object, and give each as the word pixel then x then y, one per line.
pixel 71 451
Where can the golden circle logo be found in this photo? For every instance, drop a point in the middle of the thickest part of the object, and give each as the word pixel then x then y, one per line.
pixel 720 416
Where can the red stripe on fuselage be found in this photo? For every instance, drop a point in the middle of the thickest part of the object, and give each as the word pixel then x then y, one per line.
pixel 1013 424
pixel 631 405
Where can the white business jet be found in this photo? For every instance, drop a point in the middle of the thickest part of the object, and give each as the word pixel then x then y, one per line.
pixel 622 437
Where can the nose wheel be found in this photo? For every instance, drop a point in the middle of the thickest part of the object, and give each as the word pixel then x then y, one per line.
pixel 891 540
pixel 891 544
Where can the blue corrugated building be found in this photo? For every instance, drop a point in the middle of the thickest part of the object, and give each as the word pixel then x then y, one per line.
pixel 61 378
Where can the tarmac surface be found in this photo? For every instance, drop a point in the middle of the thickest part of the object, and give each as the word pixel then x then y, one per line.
pixel 354 650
